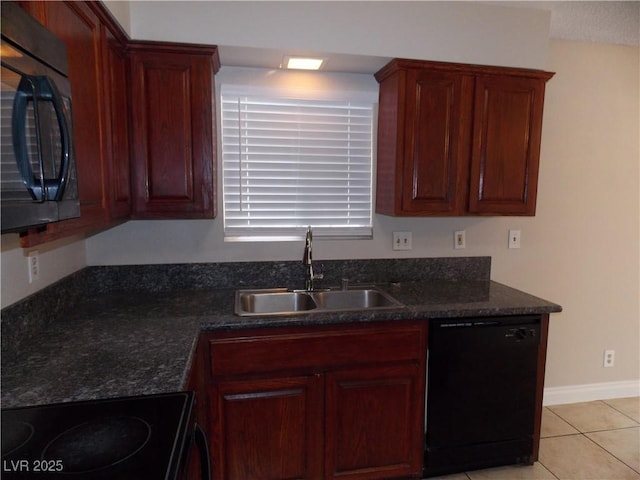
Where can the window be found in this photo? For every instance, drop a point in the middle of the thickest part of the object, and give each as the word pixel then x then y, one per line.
pixel 292 162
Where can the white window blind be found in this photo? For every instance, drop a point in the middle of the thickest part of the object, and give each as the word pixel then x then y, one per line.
pixel 289 163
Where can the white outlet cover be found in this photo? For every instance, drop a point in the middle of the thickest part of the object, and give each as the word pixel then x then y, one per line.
pixel 402 240
pixel 514 238
pixel 609 358
pixel 33 266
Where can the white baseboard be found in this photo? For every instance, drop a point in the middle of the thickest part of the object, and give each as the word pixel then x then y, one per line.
pixel 591 391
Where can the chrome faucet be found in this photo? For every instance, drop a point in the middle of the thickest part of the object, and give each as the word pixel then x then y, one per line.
pixel 308 262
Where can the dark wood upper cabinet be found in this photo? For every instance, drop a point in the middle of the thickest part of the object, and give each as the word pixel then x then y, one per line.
pixel 458 139
pixel 97 74
pixel 173 130
pixel 143 118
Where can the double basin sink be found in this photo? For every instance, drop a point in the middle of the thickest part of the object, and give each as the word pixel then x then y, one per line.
pixel 280 301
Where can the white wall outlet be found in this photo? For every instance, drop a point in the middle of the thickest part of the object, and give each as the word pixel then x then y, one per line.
pixel 609 358
pixel 33 265
pixel 459 240
pixel 402 240
pixel 514 238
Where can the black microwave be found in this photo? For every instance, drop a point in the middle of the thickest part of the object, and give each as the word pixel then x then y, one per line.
pixel 38 176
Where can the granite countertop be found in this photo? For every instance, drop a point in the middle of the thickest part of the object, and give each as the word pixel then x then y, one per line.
pixel 119 344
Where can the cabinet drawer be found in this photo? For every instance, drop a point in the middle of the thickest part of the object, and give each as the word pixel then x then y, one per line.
pixel 314 349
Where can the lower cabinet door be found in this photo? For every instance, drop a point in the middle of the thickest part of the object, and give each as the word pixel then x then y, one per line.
pixel 374 422
pixel 267 429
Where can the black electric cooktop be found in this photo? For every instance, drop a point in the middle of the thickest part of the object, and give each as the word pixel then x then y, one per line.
pixel 122 438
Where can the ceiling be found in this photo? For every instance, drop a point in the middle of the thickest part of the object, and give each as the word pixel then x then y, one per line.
pixel 616 22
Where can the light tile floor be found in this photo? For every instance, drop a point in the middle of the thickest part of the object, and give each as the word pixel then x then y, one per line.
pixel 582 441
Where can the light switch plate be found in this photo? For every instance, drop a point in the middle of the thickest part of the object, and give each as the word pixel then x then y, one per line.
pixel 459 240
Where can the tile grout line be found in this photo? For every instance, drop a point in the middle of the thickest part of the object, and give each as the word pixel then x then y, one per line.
pixel 603 430
pixel 612 429
pixel 581 434
pixel 567 422
pixel 548 470
pixel 584 434
pixel 620 411
pixel 607 451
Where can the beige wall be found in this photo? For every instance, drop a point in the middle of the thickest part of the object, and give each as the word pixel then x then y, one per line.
pixel 120 10
pixel 585 241
pixel 468 32
pixel 56 259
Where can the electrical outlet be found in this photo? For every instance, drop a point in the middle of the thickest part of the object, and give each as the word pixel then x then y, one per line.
pixel 514 238
pixel 402 240
pixel 33 265
pixel 459 240
pixel 609 358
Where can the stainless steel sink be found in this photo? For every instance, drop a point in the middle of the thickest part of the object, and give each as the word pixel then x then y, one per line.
pixel 256 302
pixel 365 298
pixel 280 301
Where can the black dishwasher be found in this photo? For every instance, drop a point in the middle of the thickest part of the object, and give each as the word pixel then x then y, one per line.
pixel 481 391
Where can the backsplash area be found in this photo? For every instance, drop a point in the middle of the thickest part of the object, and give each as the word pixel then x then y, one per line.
pixel 156 278
pixel 37 310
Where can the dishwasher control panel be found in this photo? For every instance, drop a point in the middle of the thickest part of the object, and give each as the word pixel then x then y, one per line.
pixel 521 333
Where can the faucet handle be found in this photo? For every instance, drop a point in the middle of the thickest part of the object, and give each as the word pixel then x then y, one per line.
pixel 318 271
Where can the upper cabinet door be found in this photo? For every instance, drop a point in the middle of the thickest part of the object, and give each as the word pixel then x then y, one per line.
pixel 436 144
pixel 173 131
pixel 506 145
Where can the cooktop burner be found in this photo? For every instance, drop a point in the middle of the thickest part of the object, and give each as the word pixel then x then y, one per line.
pixel 14 435
pixel 98 443
pixel 125 438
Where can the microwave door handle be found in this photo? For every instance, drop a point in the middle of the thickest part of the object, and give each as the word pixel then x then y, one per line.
pixel 27 91
pixel 55 187
pixel 35 89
